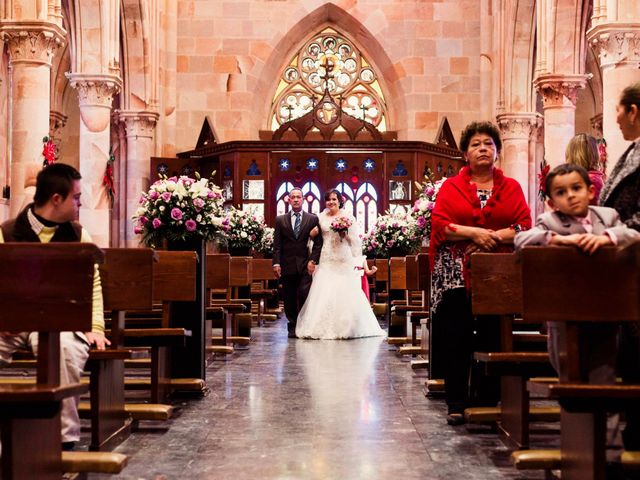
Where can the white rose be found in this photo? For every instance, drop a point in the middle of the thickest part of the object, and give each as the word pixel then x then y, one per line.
pixel 171 186
pixel 161 208
pixel 198 218
pixel 140 212
pixel 243 234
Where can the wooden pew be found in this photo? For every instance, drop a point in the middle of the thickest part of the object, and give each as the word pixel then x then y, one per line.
pixel 240 275
pixel 261 275
pixel 405 272
pixel 496 290
pixel 221 311
pixel 419 278
pixel 46 288
pixel 127 281
pixel 558 286
pixel 174 282
pixel 397 297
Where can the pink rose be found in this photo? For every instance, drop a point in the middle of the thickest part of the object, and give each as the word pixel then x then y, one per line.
pixel 176 214
pixel 198 203
pixel 166 196
pixel 143 220
pixel 190 225
pixel 156 223
pixel 137 230
pixel 153 195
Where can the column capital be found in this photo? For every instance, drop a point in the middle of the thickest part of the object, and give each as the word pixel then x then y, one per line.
pixel 616 44
pixel 95 97
pixel 138 123
pixel 57 122
pixel 560 90
pixel 95 89
pixel 32 42
pixel 518 125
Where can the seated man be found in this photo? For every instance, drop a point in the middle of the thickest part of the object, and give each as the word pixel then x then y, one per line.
pixel 52 218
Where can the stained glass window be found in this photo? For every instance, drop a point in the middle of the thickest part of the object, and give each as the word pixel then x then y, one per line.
pixel 332 61
pixel 362 203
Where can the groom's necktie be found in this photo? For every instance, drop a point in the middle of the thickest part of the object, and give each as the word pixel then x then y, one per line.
pixel 296 226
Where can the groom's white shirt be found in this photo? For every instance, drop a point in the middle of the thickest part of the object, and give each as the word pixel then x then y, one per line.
pixel 293 218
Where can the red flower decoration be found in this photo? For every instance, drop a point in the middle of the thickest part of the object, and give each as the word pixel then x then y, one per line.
pixel 108 180
pixel 542 180
pixel 49 151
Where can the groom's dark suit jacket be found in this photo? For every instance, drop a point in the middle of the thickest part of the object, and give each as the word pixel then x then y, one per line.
pixel 291 253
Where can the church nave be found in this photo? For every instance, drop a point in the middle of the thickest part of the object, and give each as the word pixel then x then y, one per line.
pixel 308 409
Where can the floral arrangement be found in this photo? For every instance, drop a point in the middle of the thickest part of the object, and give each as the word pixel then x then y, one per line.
pixel 179 208
pixel 393 231
pixel 340 225
pixel 265 245
pixel 542 178
pixel 426 201
pixel 242 230
pixel 108 180
pixel 49 151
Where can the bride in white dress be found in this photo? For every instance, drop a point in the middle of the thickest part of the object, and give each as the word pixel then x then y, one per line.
pixel 336 307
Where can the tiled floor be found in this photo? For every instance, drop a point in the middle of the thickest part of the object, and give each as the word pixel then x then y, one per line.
pixel 307 409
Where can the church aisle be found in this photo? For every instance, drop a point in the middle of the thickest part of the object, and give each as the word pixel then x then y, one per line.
pixel 308 409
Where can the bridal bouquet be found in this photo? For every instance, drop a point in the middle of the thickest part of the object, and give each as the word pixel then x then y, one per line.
pixel 426 201
pixel 179 208
pixel 340 225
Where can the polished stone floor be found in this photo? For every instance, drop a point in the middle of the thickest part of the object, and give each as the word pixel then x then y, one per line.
pixel 310 409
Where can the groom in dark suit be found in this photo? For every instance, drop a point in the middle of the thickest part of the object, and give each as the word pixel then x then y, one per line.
pixel 292 262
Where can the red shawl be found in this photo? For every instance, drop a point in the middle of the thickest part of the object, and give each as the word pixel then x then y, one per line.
pixel 458 203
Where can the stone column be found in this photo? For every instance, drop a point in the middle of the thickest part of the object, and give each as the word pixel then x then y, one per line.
pixel 57 122
pixel 516 130
pixel 559 93
pixel 95 96
pixel 32 46
pixel 536 153
pixel 596 125
pixel 139 126
pixel 618 48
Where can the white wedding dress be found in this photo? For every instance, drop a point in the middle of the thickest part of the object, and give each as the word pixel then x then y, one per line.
pixel 336 306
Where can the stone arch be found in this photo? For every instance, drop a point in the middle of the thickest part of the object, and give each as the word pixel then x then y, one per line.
pixel 136 58
pixel 92 35
pixel 519 25
pixel 329 15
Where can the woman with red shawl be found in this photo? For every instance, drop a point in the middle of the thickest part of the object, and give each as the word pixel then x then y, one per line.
pixel 477 210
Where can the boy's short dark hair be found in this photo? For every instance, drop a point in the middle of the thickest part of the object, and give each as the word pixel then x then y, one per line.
pixel 564 169
pixel 56 178
pixel 474 128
